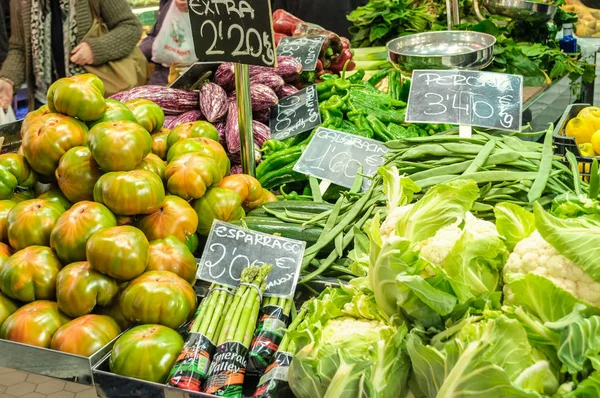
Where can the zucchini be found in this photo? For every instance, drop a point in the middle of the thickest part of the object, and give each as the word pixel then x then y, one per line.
pixel 297 206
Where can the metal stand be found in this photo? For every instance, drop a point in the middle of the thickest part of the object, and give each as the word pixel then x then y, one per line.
pixel 452 13
pixel 242 89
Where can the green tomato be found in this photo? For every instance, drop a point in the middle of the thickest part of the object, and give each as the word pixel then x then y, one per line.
pixel 217 204
pixel 146 352
pixel 119 146
pixel 15 172
pixel 128 193
pixel 147 113
pixel 192 130
pixel 80 96
pixel 115 111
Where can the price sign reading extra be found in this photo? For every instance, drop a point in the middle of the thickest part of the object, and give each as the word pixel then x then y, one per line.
pixel 336 156
pixel 305 49
pixel 295 114
pixel 235 31
pixel 229 249
pixel 474 98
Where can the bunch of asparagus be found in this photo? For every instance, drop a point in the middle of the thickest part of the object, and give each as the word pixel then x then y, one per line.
pixel 283 303
pixel 209 321
pixel 240 320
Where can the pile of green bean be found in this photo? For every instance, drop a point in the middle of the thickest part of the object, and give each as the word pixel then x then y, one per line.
pixel 506 168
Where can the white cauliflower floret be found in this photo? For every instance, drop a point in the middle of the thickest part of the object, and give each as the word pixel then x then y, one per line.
pixel 436 249
pixel 535 255
pixel 389 225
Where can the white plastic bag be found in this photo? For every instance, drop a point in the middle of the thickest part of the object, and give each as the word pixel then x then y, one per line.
pixel 174 43
pixel 7 116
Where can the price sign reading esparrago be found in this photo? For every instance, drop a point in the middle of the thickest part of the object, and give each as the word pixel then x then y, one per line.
pixel 295 114
pixel 463 97
pixel 229 249
pixel 234 31
pixel 305 49
pixel 336 156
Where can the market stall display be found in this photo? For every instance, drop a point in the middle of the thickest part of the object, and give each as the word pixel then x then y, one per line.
pixel 422 260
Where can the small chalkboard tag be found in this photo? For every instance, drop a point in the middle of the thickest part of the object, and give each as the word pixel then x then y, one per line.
pixel 234 31
pixel 305 49
pixel 336 156
pixel 463 97
pixel 295 114
pixel 229 249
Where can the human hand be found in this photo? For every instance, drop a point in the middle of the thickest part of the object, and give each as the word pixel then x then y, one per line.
pixel 82 54
pixel 6 94
pixel 182 5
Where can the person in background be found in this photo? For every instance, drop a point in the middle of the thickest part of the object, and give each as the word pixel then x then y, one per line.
pixel 160 76
pixel 46 42
pixel 330 15
pixel 3 30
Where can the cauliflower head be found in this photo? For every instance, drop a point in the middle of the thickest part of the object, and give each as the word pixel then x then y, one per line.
pixel 535 255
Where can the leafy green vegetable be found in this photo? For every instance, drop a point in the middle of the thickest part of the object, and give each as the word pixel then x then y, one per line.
pixel 348 349
pixel 514 223
pixel 574 240
pixel 580 344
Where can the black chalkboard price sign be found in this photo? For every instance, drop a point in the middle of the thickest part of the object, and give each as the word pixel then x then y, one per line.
pixel 295 114
pixel 473 98
pixel 336 156
pixel 229 249
pixel 305 49
pixel 235 31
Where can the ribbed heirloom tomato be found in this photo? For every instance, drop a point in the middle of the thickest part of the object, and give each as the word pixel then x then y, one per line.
pixel 15 172
pixel 56 196
pixel 114 112
pixel 218 204
pixel 48 138
pixel 5 208
pixel 128 193
pixel 148 114
pixel 146 352
pixel 192 130
pixel 7 307
pixel 85 335
pixel 34 324
pixel 30 274
pixel 190 175
pixel 79 288
pixel 31 222
pixel 154 164
pixel 159 143
pixel 120 252
pixel 80 96
pixel 204 147
pixel 74 227
pixel 119 146
pixel 175 217
pixel 77 173
pixel 170 254
pixel 159 297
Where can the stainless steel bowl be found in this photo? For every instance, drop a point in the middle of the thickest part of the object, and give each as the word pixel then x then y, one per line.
pixel 442 50
pixel 520 9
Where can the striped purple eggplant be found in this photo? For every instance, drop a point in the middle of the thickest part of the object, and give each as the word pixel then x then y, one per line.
pixel 262 116
pixel 173 101
pixel 286 90
pixel 236 169
pixel 269 79
pixel 254 70
pixel 288 68
pixel 262 97
pixel 225 76
pixel 232 129
pixel 213 102
pixel 169 121
pixel 261 133
pixel 221 126
pixel 236 157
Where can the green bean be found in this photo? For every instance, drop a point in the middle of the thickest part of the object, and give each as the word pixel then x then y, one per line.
pixel 537 189
pixel 482 157
pixel 328 235
pixel 575 170
pixel 358 181
pixel 339 240
pixel 440 179
pixel 594 180
pixel 315 189
pixel 421 151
